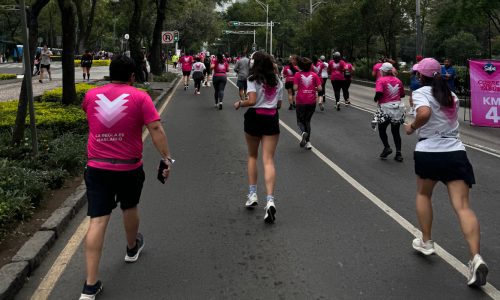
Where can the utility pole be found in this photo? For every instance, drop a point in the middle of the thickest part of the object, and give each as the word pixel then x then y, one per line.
pixel 266 8
pixel 271 40
pixel 419 29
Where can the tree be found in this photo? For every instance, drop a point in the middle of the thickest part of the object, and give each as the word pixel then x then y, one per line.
pixel 68 13
pixel 156 61
pixel 135 39
pixel 22 108
pixel 84 24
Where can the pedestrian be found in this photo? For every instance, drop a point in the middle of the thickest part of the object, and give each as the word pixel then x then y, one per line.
pixel 336 69
pixel 86 64
pixel 175 59
pixel 440 156
pixel 261 126
pixel 288 74
pixel 414 83
pixel 348 73
pixel 242 69
pixel 186 65
pixel 37 64
pixel 114 172
pixel 306 83
pixel 208 70
pixel 391 110
pixel 376 68
pixel 198 69
pixel 324 79
pixel 317 67
pixel 449 74
pixel 45 62
pixel 220 68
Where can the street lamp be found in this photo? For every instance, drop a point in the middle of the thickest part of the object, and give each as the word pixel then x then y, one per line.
pixel 266 8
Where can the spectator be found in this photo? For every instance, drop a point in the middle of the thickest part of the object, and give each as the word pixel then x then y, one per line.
pixel 449 74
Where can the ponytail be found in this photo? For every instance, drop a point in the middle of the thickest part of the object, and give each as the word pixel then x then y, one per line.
pixel 441 91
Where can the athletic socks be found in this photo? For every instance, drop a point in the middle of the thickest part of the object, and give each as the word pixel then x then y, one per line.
pixel 252 189
pixel 270 198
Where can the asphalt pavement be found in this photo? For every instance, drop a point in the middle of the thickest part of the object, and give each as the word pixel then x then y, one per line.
pixel 332 238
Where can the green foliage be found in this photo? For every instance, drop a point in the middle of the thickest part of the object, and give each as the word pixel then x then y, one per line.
pixel 55 95
pixel 13 207
pixel 95 63
pixel 7 76
pixel 49 115
pixel 461 46
pixel 68 152
pixel 165 77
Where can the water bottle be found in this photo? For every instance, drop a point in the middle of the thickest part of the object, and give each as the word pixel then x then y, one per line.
pixel 374 123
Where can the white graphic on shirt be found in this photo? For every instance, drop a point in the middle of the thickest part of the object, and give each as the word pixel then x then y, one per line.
pixel 109 112
pixel 316 68
pixel 393 90
pixel 306 81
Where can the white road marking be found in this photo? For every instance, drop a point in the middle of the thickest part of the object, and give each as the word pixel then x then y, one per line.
pixel 489 289
pixel 57 269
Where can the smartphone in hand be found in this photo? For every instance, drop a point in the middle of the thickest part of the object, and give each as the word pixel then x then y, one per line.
pixel 162 167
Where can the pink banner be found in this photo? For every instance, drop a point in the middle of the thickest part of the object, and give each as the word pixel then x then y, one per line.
pixel 485 92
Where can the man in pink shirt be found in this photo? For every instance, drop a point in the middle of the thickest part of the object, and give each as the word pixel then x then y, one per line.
pixel 186 62
pixel 116 114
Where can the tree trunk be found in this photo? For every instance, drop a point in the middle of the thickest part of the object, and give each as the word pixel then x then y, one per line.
pixel 68 14
pixel 156 62
pixel 135 40
pixel 22 107
pixel 84 29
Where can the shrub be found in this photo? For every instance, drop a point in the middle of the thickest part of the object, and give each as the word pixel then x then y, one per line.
pixel 13 207
pixel 55 95
pixel 7 76
pixel 165 77
pixel 95 63
pixel 24 181
pixel 68 152
pixel 49 115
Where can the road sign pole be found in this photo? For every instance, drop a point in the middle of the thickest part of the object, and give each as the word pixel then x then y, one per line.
pixel 27 77
pixel 254 36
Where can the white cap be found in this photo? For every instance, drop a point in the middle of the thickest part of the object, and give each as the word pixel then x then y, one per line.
pixel 336 54
pixel 322 57
pixel 386 67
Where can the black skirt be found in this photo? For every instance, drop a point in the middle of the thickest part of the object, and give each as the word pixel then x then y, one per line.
pixel 259 125
pixel 444 166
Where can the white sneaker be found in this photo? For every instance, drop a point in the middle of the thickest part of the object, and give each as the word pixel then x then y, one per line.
pixel 220 105
pixel 426 248
pixel 478 270
pixel 303 140
pixel 270 212
pixel 308 146
pixel 252 200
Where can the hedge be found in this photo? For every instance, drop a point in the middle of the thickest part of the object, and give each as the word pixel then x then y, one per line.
pixel 95 63
pixel 55 95
pixel 7 76
pixel 165 77
pixel 49 115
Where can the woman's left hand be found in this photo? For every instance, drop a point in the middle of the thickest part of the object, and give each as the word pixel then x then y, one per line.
pixel 237 104
pixel 408 129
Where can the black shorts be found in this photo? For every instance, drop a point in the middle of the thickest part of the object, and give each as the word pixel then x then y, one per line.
pixel 45 67
pixel 105 188
pixel 444 166
pixel 288 85
pixel 241 84
pixel 186 73
pixel 259 125
pixel 86 65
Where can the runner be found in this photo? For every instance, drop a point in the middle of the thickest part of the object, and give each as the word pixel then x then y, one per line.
pixel 306 83
pixel 317 67
pixel 86 64
pixel 175 60
pixel 336 68
pixel 324 79
pixel 440 156
pixel 376 68
pixel 45 62
pixel 265 92
pixel 242 69
pixel 220 69
pixel 208 70
pixel 186 65
pixel 198 70
pixel 36 63
pixel 114 172
pixel 288 72
pixel 391 110
pixel 348 72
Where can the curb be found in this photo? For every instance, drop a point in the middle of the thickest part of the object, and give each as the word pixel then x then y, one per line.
pixel 14 274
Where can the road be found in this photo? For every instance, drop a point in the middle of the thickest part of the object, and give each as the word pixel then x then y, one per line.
pixel 344 218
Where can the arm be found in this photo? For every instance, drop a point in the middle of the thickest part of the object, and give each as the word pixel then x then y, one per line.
pixel 423 116
pixel 159 138
pixel 252 99
pixel 378 95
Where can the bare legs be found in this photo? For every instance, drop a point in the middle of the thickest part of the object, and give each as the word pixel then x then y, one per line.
pixel 269 144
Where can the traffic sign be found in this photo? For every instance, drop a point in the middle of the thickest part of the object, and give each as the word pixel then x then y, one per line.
pixel 167 37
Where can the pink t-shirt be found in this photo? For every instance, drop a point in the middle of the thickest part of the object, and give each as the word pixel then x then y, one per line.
pixel 221 69
pixel 186 62
pixel 391 87
pixel 116 114
pixel 307 82
pixel 288 73
pixel 336 70
pixel 376 70
pixel 348 70
pixel 318 67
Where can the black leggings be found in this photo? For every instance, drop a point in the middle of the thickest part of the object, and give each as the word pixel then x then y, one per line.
pixel 395 134
pixel 304 114
pixel 345 89
pixel 197 83
pixel 337 86
pixel 323 84
pixel 219 86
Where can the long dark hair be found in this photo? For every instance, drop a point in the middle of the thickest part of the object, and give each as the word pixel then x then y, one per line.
pixel 304 64
pixel 220 58
pixel 440 90
pixel 262 70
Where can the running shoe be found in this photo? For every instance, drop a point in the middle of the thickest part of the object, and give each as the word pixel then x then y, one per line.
pixel 133 254
pixel 338 106
pixel 304 140
pixel 308 146
pixel 426 248
pixel 347 102
pixel 294 106
pixel 185 87
pixel 198 93
pixel 90 291
pixel 270 212
pixel 386 152
pixel 220 105
pixel 478 270
pixel 398 157
pixel 252 200
pixel 290 107
pixel 321 107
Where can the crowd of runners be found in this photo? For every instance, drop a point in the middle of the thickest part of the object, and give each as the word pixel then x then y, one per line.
pixel 263 83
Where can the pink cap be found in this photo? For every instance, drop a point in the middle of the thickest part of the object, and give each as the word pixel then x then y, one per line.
pixel 428 67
